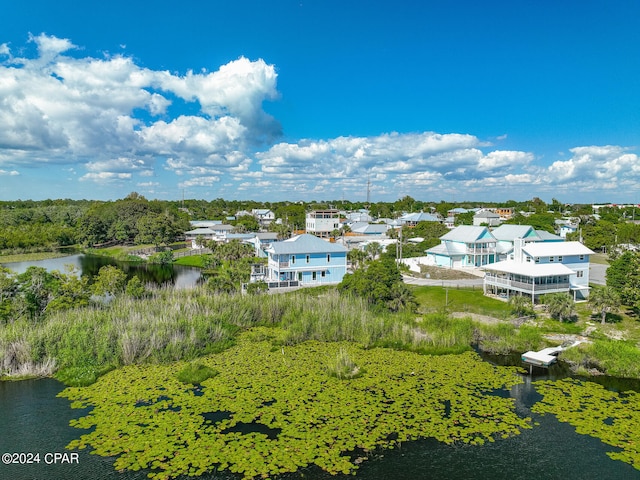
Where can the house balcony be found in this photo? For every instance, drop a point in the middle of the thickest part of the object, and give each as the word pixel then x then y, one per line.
pixel 480 251
pixel 526 286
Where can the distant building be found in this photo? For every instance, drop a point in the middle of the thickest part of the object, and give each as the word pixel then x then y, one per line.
pixel 322 222
pixel 217 232
pixel 412 219
pixel 264 216
pixel 506 213
pixel 486 217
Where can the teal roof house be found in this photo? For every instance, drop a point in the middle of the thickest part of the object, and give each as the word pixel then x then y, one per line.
pixel 464 246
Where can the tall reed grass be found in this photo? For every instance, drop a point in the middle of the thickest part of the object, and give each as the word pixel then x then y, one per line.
pixel 176 325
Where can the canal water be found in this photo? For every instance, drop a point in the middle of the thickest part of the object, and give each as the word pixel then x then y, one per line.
pixel 33 419
pixel 174 275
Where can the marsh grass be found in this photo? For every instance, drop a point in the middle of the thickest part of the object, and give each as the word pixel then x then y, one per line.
pixel 504 338
pixel 612 357
pixel 196 373
pixel 343 367
pixel 439 299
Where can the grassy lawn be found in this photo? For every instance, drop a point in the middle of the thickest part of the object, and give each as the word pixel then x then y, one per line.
pixel 433 299
pixel 191 261
pixel 599 258
pixel 31 257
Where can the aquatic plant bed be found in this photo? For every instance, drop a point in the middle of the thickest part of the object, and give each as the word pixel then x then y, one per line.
pixel 612 417
pixel 274 408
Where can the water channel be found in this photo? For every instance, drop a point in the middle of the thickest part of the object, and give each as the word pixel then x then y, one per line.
pixel 174 275
pixel 33 419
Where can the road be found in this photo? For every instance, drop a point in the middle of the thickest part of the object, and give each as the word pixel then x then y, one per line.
pixel 472 282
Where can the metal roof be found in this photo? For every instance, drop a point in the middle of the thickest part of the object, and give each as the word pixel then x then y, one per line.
pixel 304 243
pixel 550 249
pixel 468 234
pixel 529 269
pixel 511 232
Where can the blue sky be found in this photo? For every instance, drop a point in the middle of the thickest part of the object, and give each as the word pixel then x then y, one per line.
pixel 277 100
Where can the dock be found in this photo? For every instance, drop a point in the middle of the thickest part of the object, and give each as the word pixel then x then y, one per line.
pixel 545 357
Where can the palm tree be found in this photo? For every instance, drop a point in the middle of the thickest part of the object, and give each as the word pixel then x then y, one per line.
pixel 560 306
pixel 373 250
pixel 604 300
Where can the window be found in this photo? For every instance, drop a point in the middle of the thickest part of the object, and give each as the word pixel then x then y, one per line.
pixel 580 273
pixel 537 259
pixel 323 274
pixel 328 257
pixel 528 259
pixel 581 257
pixel 551 259
pixel 308 260
pixel 314 276
pixel 560 258
pixel 293 259
pixel 299 276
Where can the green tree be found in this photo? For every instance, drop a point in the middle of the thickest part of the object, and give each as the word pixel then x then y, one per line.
pixel 36 287
pixel 8 291
pixel 373 250
pixel 109 281
pixel 357 258
pixel 520 305
pixel 604 300
pixel 70 290
pixel 247 223
pixel 380 284
pixel 135 288
pixel 623 276
pixel 560 306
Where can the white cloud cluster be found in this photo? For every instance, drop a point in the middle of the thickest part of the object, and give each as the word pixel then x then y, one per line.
pixel 395 162
pixel 56 108
pixel 120 123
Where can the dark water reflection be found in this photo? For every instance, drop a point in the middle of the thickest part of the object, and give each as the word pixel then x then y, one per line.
pixel 175 275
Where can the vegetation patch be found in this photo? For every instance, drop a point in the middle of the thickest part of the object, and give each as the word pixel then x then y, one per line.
pixel 284 410
pixel 612 417
pixel 196 373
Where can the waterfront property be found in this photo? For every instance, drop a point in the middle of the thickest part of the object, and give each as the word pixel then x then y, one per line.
pixel 537 268
pixel 464 246
pixel 216 233
pixel 306 260
pixel 507 234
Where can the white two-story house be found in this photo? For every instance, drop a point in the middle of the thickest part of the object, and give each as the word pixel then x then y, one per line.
pixel 306 260
pixel 537 268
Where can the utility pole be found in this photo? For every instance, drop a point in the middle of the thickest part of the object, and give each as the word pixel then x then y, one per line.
pixel 368 191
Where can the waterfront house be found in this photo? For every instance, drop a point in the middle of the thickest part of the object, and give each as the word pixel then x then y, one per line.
pixel 216 232
pixel 507 234
pixel 537 268
pixel 306 260
pixel 464 246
